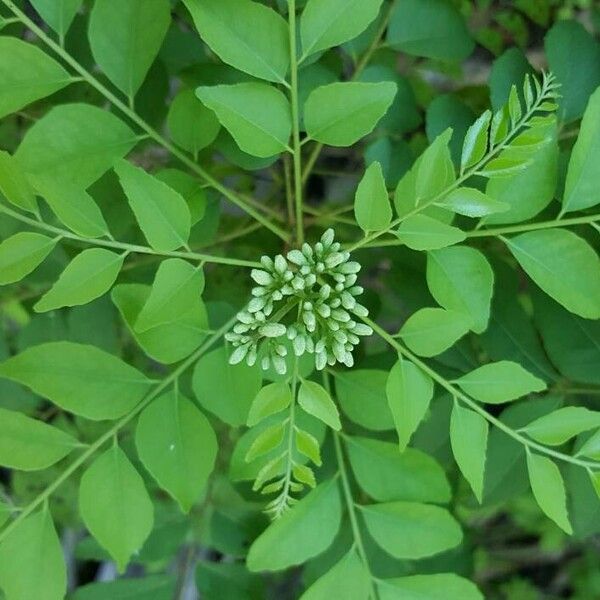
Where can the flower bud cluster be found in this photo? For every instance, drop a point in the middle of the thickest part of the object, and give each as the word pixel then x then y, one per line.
pixel 316 287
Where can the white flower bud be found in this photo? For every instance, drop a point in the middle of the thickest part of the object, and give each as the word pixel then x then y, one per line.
pixel 280 264
pixel 296 257
pixel 238 355
pixel 272 330
pixel 261 277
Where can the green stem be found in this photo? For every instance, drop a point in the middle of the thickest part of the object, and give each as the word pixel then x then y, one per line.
pixel 63 233
pixel 108 435
pixel 135 118
pixel 457 393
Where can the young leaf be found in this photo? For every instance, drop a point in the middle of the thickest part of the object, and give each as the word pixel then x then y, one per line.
pixel 115 506
pixel 89 275
pixel 301 533
pixel 230 27
pixel 79 378
pixel 177 445
pixel 270 400
pixel 58 14
pixel 476 141
pixel 162 214
pixel 125 38
pixel 591 447
pixel 31 560
pixel 421 232
pixel 340 114
pixel 267 440
pixel 410 530
pixel 461 279
pixel 14 185
pixel 30 445
pixel 472 203
pixel 549 489
pixel 308 445
pixel 559 426
pixel 431 331
pixel 257 115
pixel 372 204
pixel 434 170
pixel 409 392
pixel 315 400
pixel 21 254
pixel 26 74
pixel 500 382
pixel 469 437
pixel 440 586
pixel 564 265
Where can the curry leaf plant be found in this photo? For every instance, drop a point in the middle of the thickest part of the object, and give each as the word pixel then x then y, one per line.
pixel 294 305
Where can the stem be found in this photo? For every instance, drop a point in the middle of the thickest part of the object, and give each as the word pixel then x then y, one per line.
pixel 457 393
pixel 135 118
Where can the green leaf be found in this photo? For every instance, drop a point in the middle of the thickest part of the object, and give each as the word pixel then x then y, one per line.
pixel 115 506
pixel 340 114
pixel 301 533
pixel 21 253
pixel 410 530
pixel 559 426
pixel 469 438
pixel 583 179
pixel 59 14
pixel 421 232
pixel 267 440
pixel 386 475
pixel 30 445
pixel 564 265
pixel 372 204
pixel 500 382
pixel 175 292
pixel 87 277
pixel 177 445
pixel 125 38
pixel 80 379
pixel 434 170
pixel 509 69
pixel 476 141
pixel 230 27
pixel 308 445
pixel 549 489
pixel 409 392
pixel 461 279
pixel 74 144
pixel 191 188
pixel 162 214
pixel 348 579
pixel 472 203
pixel 226 390
pixel 14 185
pixel 149 587
pixel 270 400
pixel 429 28
pixel 31 561
pixel 442 586
pixel 328 23
pixel 431 331
pixel 591 447
pixel 315 400
pixel 26 75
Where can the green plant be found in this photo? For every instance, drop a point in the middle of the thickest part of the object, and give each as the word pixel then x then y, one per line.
pixel 219 397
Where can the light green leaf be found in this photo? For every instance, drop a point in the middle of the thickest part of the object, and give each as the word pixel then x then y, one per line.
pixel 328 23
pixel 340 114
pixel 421 232
pixel 564 265
pixel 79 378
pixel 21 253
pixel 469 437
pixel 441 586
pixel 26 74
pixel 125 38
pixel 115 506
pixel 409 392
pixel 14 185
pixel 431 331
pixel 434 170
pixel 177 445
pixel 74 144
pixel 461 279
pixel 149 587
pixel 549 489
pixel 315 400
pixel 87 277
pixel 270 400
pixel 226 390
pixel 372 204
pixel 33 548
pixel 591 447
pixel 476 141
pixel 559 426
pixel 162 214
pixel 500 382
pixel 301 533
pixel 385 475
pixel 308 445
pixel 257 115
pixel 472 203
pixel 230 27
pixel 267 440
pixel 30 445
pixel 5 512
pixel 410 530
pixel 191 188
pixel 59 14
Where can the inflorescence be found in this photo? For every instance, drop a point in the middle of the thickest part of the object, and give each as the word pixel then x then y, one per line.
pixel 308 298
